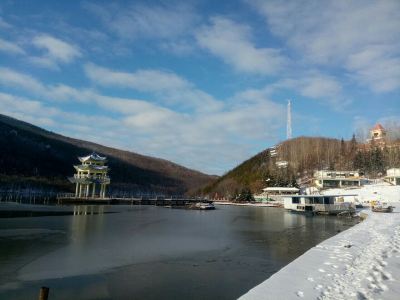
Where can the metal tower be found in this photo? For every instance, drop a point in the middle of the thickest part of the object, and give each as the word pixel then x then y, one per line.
pixel 289 121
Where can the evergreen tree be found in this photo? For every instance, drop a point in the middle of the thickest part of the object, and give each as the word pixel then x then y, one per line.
pixel 353 145
pixel 342 147
pixel 377 161
pixel 245 196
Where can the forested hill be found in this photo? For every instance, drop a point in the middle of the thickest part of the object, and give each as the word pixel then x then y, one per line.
pixel 33 157
pixel 303 155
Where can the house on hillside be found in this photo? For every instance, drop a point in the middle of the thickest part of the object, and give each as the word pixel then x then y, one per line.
pixel 378 136
pixel 338 179
pixel 393 176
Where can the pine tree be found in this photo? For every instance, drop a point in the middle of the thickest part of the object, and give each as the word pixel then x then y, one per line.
pixel 353 145
pixel 245 196
pixel 377 161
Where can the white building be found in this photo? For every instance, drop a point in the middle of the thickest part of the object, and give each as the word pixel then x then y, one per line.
pixel 282 164
pixel 393 176
pixel 337 179
pixel 275 193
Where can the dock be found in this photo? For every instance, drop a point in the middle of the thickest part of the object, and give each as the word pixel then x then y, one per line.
pixel 155 201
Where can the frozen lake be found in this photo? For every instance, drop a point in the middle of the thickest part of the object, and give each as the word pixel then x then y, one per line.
pixel 146 252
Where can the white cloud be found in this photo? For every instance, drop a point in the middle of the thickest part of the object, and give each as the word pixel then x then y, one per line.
pixel 319 87
pixel 180 47
pixel 143 80
pixel 70 124
pixel 377 67
pixel 163 21
pixel 9 77
pixel 232 42
pixel 18 80
pixel 314 85
pixel 363 37
pixel 55 51
pixel 150 128
pixel 168 86
pixel 10 47
pixel 28 110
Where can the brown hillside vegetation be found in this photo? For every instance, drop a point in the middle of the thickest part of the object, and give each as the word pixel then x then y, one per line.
pixel 304 155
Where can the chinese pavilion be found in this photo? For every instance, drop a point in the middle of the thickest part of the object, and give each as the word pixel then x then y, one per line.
pixel 91 178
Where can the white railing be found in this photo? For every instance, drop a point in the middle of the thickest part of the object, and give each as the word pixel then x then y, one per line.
pixel 84 176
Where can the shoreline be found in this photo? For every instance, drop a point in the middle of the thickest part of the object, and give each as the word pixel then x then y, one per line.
pixel 358 263
pixel 248 204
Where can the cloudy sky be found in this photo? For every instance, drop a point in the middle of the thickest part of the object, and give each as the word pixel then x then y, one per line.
pixel 204 84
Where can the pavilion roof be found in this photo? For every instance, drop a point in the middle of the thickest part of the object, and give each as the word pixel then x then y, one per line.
pixel 92 157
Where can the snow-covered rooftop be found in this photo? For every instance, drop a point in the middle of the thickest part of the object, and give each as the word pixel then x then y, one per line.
pixel 92 157
pixel 282 189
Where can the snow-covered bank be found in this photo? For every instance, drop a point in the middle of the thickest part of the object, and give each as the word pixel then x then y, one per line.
pixel 247 204
pixel 362 262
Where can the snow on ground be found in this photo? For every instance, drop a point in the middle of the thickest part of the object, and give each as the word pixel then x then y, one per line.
pixel 362 262
pixel 375 192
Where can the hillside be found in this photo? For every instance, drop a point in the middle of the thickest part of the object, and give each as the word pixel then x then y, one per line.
pixel 303 155
pixel 31 156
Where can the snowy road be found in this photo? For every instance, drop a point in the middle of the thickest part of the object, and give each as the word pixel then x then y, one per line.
pixel 362 262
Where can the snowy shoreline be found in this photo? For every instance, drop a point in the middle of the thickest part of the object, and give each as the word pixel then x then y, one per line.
pixel 247 204
pixel 362 262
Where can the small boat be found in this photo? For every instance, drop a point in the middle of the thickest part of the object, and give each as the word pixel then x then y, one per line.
pixel 382 209
pixel 202 206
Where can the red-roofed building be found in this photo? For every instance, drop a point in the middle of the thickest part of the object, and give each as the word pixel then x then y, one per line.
pixel 378 135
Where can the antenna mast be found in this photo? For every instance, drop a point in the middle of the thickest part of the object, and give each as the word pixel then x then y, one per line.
pixel 289 121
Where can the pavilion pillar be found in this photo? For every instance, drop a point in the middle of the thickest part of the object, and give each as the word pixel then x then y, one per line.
pixel 87 190
pixel 80 191
pixel 76 189
pixel 93 189
pixel 102 191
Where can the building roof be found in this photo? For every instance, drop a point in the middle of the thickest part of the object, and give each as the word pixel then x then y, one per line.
pixel 92 157
pixel 378 127
pixel 282 189
pixel 318 196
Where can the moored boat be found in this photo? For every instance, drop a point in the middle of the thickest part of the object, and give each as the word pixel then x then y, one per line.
pixel 379 208
pixel 202 206
pixel 205 205
pixel 317 204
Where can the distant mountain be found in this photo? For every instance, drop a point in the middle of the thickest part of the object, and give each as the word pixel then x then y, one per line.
pixel 33 157
pixel 292 162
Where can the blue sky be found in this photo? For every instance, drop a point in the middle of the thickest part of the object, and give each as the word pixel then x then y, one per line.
pixel 203 84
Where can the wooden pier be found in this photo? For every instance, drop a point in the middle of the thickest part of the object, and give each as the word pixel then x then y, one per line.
pixel 156 201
